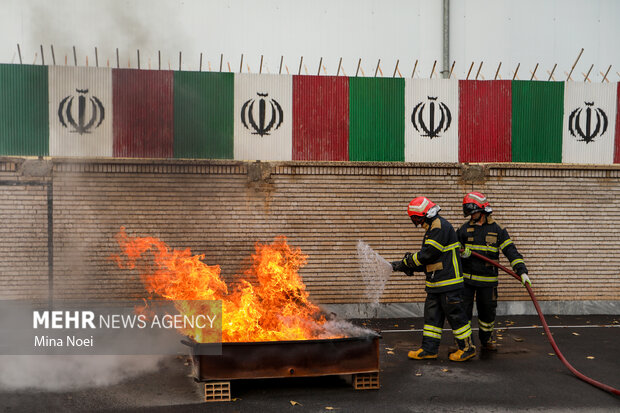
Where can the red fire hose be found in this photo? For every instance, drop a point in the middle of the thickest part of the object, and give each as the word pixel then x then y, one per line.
pixel 547 331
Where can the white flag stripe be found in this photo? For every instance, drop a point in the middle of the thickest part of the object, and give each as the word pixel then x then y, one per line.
pixel 431 120
pixel 589 123
pixel 263 117
pixel 80 111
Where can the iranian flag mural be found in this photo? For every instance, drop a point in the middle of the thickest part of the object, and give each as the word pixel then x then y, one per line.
pixel 589 123
pixel 80 111
pixel 263 122
pixel 101 112
pixel 431 120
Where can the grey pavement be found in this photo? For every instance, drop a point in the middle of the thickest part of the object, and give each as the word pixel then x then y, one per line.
pixel 523 375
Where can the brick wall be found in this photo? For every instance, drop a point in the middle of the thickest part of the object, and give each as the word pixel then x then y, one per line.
pixel 24 269
pixel 564 219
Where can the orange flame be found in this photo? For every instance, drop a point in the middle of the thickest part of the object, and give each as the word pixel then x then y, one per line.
pixel 275 307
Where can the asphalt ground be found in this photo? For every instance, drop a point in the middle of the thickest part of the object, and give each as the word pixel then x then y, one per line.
pixel 523 375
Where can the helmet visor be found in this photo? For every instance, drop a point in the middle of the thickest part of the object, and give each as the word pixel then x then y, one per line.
pixel 470 208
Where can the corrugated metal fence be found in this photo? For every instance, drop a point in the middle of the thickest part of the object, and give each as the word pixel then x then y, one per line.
pixel 102 112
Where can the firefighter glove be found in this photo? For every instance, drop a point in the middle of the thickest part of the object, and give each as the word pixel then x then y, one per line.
pixel 408 259
pixel 466 253
pixel 525 279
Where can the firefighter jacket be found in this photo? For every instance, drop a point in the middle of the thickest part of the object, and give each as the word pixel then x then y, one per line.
pixel 487 239
pixel 439 257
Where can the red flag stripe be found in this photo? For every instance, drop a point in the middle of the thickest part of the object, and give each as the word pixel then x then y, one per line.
pixel 143 113
pixel 320 118
pixel 485 121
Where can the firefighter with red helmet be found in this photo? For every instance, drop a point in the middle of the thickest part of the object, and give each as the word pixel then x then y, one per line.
pixel 439 259
pixel 482 234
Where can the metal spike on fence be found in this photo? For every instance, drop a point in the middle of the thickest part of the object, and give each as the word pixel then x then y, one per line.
pixel 534 73
pixel 469 71
pixel 516 71
pixel 433 70
pixel 605 75
pixel 588 74
pixel 497 71
pixel 551 74
pixel 574 64
pixel 479 68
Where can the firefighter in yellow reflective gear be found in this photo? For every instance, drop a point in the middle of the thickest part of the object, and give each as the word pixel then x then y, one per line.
pixel 482 234
pixel 440 260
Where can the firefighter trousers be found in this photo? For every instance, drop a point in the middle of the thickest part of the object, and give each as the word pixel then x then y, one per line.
pixel 438 307
pixel 486 304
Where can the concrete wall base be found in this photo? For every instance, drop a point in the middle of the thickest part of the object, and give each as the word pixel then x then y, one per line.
pixel 402 310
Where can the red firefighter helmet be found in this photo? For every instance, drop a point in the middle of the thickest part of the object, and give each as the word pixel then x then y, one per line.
pixel 421 206
pixel 476 202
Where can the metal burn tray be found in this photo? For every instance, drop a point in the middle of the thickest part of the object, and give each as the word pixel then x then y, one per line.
pixel 297 358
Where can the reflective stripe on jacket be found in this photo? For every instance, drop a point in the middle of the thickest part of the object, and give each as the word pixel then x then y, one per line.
pixel 439 257
pixel 487 239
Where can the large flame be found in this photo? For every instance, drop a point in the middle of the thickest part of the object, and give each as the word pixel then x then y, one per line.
pixel 275 307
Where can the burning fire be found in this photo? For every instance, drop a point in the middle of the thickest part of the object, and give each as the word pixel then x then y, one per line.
pixel 276 307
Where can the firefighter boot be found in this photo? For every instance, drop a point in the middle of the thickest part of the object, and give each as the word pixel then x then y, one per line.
pixel 489 346
pixel 421 354
pixel 466 350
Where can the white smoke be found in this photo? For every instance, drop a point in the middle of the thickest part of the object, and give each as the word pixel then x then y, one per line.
pixel 57 372
pixel 343 327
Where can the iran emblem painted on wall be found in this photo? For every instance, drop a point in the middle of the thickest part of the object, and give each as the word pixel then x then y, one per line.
pixel 263 117
pixel 589 123
pixel 431 120
pixel 80 111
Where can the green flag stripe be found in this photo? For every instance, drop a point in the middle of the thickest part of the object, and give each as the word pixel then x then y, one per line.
pixel 24 118
pixel 203 115
pixel 537 116
pixel 377 120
